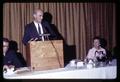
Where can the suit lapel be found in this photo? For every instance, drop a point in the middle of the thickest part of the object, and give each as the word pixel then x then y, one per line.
pixel 34 29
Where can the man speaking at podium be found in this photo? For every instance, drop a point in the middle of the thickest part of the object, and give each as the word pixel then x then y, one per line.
pixel 34 30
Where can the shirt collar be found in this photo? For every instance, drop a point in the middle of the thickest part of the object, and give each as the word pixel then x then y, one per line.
pixel 36 24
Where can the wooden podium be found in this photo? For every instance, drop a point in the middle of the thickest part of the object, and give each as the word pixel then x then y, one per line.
pixel 45 55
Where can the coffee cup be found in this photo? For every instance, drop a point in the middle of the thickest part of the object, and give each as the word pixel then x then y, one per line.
pixel 80 64
pixel 72 63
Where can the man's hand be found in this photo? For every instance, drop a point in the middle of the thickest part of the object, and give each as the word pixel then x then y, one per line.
pixel 32 39
pixel 8 67
pixel 11 66
pixel 5 67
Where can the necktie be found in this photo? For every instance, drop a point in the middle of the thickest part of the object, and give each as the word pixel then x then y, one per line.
pixel 40 31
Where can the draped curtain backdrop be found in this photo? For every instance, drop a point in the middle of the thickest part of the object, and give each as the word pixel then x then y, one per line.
pixel 78 23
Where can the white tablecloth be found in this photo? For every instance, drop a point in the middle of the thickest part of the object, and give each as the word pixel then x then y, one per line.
pixel 107 72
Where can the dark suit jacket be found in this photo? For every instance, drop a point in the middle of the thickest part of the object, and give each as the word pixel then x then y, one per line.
pixel 11 59
pixel 31 32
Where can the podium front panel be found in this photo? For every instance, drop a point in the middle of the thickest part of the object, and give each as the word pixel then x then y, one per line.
pixel 45 55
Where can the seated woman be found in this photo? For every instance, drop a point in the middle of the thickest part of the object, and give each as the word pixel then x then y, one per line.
pixel 96 53
pixel 9 56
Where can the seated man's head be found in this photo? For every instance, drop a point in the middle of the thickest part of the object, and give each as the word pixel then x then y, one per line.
pixel 96 42
pixel 5 45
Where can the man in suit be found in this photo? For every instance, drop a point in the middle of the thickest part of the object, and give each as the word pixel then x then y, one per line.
pixel 9 56
pixel 36 28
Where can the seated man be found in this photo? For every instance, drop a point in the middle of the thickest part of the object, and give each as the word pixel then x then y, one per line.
pixel 9 56
pixel 97 53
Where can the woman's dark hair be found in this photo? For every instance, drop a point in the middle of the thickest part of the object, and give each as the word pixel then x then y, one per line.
pixel 97 37
pixel 103 42
pixel 5 40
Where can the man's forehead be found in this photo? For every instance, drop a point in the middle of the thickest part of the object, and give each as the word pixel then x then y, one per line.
pixel 39 12
pixel 96 39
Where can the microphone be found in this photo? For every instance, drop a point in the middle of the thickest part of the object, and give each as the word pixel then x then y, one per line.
pixel 44 36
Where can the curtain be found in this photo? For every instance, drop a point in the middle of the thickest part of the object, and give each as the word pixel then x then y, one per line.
pixel 78 23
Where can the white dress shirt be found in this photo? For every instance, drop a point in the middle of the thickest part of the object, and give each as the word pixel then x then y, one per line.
pixel 41 29
pixel 92 53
